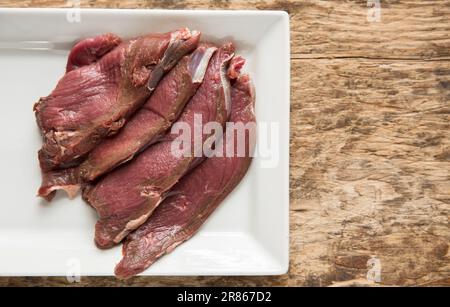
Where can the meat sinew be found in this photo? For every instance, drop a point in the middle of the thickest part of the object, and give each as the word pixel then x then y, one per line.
pixel 93 101
pixel 196 196
pixel 125 198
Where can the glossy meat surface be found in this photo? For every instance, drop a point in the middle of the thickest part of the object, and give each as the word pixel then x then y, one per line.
pixel 126 197
pixel 93 101
pixel 196 196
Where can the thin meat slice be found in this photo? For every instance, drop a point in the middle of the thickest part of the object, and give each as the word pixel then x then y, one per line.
pixel 64 179
pixel 93 101
pixel 126 197
pixel 90 50
pixel 197 195
pixel 154 118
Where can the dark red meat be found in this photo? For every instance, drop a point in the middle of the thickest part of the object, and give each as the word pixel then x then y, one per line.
pixel 154 118
pixel 196 196
pixel 125 198
pixel 93 101
pixel 64 179
pixel 90 50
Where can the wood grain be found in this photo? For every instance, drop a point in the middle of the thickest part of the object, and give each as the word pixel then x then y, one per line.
pixel 370 143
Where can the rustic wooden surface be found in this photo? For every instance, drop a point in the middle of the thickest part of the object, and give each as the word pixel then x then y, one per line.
pixel 370 143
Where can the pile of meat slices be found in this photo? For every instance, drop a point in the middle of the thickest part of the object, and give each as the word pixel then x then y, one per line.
pixel 106 131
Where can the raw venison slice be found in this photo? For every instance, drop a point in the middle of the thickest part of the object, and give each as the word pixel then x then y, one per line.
pixel 144 127
pixel 125 198
pixel 93 101
pixel 90 50
pixel 196 196
pixel 154 118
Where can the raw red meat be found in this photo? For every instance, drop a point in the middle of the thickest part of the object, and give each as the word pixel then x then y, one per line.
pixel 196 196
pixel 144 128
pixel 90 50
pixel 93 101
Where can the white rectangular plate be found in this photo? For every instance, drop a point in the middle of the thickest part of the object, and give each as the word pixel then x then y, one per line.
pixel 247 235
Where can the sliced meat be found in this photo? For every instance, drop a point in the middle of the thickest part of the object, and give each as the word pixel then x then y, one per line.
pixel 125 198
pixel 93 101
pixel 154 118
pixel 90 50
pixel 65 179
pixel 196 196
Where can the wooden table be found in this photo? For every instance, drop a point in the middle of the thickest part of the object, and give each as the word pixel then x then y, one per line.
pixel 370 143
